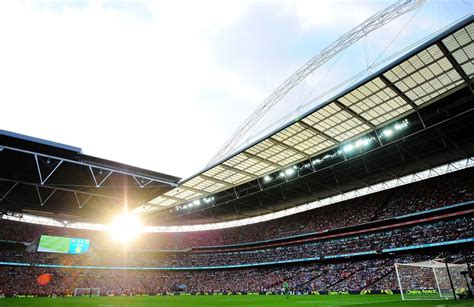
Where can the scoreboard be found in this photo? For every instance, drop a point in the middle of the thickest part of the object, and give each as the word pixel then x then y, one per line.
pixel 51 244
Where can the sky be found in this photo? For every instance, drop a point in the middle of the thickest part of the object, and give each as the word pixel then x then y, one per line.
pixel 163 84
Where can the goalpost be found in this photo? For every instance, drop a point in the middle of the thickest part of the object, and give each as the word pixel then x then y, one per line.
pixel 429 279
pixel 87 292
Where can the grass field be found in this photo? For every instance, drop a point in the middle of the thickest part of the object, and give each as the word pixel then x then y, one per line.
pixel 188 301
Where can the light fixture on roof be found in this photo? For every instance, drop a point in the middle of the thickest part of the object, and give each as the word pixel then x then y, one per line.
pixel 208 199
pixel 348 148
pixel 290 171
pixel 196 202
pixel 267 178
pixel 387 132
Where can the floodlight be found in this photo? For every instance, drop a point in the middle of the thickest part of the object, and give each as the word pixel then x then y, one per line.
pixel 387 132
pixel 197 202
pixel 267 178
pixel 398 127
pixel 348 147
pixel 289 171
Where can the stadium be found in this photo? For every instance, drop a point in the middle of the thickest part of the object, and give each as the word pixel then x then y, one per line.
pixel 366 198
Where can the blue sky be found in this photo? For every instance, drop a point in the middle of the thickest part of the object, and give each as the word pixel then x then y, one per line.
pixel 163 84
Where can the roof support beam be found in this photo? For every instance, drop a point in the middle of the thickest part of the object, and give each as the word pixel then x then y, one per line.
pixel 98 184
pixel 170 198
pixel 82 204
pixel 443 136
pixel 76 192
pixel 233 169
pixel 308 193
pixel 252 156
pixel 366 163
pixel 142 183
pixel 455 64
pixel 192 190
pixel 42 202
pixel 40 173
pixel 394 88
pixel 317 131
pixel 230 168
pixel 254 207
pixel 354 114
pixel 403 149
pixel 275 141
pixel 9 191
pixel 225 183
pixel 37 154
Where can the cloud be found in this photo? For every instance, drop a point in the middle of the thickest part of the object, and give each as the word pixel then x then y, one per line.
pixel 142 93
pixel 335 15
pixel 162 84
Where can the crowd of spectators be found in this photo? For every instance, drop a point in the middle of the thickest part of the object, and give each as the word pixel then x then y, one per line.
pixel 348 275
pixel 418 234
pixel 172 249
pixel 428 194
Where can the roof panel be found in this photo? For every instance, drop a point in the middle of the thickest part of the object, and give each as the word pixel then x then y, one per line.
pixel 435 75
pixel 421 77
pixel 163 201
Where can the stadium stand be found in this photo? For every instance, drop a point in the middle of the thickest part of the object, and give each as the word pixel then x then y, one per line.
pixel 341 253
pixel 449 189
pixel 375 274
pixel 349 245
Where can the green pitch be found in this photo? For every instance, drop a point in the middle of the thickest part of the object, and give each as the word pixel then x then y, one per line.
pixel 206 301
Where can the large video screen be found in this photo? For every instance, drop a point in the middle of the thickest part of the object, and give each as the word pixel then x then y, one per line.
pixel 50 244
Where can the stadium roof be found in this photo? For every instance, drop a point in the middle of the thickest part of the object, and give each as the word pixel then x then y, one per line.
pixel 432 71
pixel 48 178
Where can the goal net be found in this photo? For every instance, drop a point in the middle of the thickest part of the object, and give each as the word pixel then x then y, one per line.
pixel 429 279
pixel 87 292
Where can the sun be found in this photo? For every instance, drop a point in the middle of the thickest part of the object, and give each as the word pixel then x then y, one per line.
pixel 125 228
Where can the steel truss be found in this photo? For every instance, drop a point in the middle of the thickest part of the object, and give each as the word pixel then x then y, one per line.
pixel 373 23
pixel 259 184
pixel 99 175
pixel 393 183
